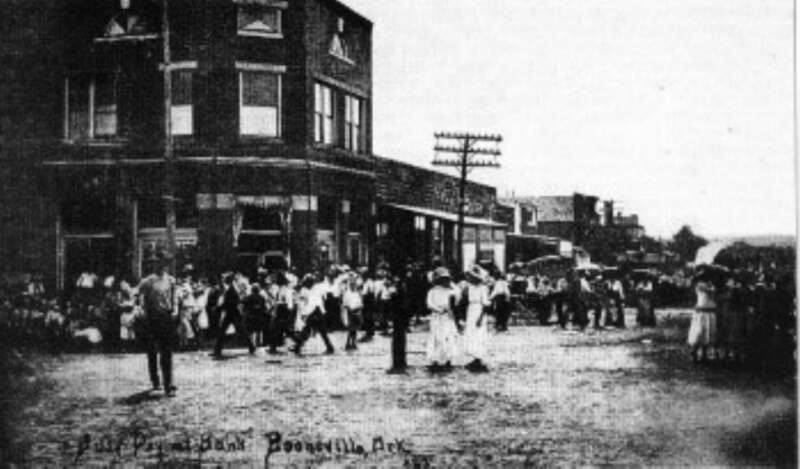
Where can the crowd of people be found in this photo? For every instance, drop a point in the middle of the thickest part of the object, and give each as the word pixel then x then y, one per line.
pixel 739 316
pixel 580 298
pixel 745 316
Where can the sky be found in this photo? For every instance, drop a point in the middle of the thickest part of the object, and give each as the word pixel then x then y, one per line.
pixel 679 110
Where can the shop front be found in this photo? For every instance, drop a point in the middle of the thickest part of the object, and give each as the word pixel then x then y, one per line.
pixel 407 234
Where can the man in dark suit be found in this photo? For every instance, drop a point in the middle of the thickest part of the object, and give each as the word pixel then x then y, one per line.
pixel 232 316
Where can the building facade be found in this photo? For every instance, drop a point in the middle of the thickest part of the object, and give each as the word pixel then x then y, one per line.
pixel 253 116
pixel 417 218
pixel 245 125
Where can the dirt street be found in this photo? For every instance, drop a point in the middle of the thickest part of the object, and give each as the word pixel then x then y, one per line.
pixel 551 398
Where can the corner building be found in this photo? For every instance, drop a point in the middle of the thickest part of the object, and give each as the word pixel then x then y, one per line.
pixel 271 133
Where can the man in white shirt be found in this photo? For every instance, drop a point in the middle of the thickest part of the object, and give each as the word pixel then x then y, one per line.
pixel 617 292
pixel 310 314
pixel 158 297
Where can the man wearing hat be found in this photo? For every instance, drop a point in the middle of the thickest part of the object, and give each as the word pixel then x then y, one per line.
pixel 157 293
pixel 232 316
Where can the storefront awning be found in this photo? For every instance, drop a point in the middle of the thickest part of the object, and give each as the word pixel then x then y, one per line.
pixel 442 215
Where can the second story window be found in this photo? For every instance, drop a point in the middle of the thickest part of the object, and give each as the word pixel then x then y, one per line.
pixel 182 113
pixel 77 115
pixel 323 114
pixel 259 109
pixel 105 106
pixel 352 123
pixel 91 107
pixel 258 20
pixel 339 44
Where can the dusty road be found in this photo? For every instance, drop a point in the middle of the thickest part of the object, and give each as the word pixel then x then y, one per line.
pixel 552 398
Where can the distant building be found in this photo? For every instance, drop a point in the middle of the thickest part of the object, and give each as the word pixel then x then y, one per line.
pixel 569 217
pixel 630 225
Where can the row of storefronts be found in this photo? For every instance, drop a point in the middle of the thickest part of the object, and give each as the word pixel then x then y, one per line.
pixel 111 218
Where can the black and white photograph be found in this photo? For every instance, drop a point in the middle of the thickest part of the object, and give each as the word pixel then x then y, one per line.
pixel 410 233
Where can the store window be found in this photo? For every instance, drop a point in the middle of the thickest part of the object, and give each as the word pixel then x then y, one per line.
pixel 88 215
pixel 326 216
pixel 419 223
pixel 152 212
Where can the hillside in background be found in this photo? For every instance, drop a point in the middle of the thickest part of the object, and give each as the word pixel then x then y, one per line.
pixel 760 241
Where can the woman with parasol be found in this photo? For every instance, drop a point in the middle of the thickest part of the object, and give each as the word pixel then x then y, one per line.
pixel 703 329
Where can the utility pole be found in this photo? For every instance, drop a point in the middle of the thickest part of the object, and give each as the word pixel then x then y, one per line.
pixel 169 157
pixel 468 155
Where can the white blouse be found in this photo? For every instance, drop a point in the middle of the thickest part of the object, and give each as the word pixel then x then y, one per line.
pixel 439 299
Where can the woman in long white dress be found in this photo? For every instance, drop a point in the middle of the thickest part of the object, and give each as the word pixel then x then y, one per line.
pixel 703 329
pixel 441 347
pixel 476 330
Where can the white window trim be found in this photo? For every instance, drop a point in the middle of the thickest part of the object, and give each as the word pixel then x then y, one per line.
pixel 353 131
pixel 264 34
pixel 259 67
pixel 278 129
pixel 182 65
pixel 341 57
pixel 66 108
pixel 127 37
pixel 327 139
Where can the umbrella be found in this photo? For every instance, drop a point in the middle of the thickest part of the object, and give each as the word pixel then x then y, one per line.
pixel 713 272
pixel 546 260
pixel 706 254
pixel 589 268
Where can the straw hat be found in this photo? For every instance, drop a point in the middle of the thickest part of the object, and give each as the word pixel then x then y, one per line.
pixel 441 273
pixel 476 273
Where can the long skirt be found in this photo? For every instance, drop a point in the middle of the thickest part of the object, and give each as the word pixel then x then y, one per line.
pixel 441 346
pixel 476 338
pixel 737 328
pixel 645 315
pixel 703 329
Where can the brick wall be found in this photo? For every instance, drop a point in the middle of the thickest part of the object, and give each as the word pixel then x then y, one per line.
pixel 406 184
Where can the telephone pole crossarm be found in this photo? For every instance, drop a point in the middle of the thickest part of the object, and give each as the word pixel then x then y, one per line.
pixel 461 149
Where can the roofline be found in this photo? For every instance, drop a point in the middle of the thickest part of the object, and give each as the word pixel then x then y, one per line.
pixel 350 10
pixel 404 163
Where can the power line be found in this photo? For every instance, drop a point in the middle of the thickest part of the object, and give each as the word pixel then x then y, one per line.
pixel 465 151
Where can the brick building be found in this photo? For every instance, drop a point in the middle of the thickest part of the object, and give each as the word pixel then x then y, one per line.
pixel 270 123
pixel 630 225
pixel 253 116
pixel 417 218
pixel 568 217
